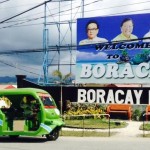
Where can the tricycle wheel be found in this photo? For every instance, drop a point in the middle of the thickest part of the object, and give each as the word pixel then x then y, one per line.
pixel 53 135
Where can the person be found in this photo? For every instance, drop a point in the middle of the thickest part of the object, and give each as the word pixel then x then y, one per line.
pixel 92 30
pixel 30 113
pixel 5 102
pixel 126 31
pixel 147 36
pixel 26 105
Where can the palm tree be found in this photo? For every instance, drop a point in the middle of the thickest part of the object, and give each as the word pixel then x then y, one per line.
pixel 124 57
pixel 61 77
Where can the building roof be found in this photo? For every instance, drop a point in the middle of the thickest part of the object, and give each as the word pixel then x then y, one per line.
pixel 9 86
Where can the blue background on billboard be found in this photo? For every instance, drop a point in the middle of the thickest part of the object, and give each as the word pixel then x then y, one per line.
pixel 110 26
pixel 100 63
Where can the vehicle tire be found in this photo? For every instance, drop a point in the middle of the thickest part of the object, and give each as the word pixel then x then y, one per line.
pixel 53 135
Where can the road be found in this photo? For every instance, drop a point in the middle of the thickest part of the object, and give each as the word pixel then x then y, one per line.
pixel 76 143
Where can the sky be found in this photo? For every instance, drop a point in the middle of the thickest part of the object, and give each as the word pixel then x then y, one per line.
pixel 25 32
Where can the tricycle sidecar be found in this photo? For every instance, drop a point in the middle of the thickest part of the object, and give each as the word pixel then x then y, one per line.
pixel 29 112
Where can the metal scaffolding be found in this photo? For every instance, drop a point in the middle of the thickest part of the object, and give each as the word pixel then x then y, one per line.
pixel 43 78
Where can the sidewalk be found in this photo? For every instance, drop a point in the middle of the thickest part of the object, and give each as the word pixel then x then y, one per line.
pixel 132 130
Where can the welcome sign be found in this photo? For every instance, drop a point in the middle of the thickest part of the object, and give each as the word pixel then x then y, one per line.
pixel 110 57
pixel 107 95
pixel 119 96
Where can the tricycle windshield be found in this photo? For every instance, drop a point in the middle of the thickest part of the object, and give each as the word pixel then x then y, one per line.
pixel 47 100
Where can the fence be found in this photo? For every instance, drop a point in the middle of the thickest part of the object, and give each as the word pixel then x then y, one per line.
pixel 90 115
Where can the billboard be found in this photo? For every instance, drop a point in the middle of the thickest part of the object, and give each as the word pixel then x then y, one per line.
pixel 113 49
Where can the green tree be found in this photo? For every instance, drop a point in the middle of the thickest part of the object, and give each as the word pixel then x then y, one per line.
pixel 62 78
pixel 124 52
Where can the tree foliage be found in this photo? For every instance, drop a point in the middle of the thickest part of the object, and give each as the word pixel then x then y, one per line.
pixel 61 77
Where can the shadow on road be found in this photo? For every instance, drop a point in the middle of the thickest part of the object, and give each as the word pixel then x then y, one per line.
pixel 6 139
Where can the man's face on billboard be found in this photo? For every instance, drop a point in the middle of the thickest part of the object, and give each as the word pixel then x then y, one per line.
pixel 127 28
pixel 92 30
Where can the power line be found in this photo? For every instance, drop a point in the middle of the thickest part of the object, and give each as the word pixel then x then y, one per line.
pixel 12 7
pixel 4 1
pixel 51 48
pixel 32 14
pixel 14 66
pixel 54 14
pixel 46 16
pixel 64 47
pixel 24 11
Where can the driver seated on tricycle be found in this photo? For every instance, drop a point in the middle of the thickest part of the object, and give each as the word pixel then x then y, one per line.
pixel 30 110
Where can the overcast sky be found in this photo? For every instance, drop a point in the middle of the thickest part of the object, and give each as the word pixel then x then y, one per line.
pixel 26 31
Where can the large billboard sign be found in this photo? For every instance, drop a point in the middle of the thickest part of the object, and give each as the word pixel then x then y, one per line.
pixel 113 49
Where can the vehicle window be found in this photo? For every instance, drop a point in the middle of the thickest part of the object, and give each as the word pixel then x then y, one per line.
pixel 47 101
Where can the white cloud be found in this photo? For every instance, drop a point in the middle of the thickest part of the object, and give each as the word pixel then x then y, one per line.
pixel 91 56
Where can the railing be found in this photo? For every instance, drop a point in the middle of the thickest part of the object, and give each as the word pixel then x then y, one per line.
pixel 85 115
pixel 145 114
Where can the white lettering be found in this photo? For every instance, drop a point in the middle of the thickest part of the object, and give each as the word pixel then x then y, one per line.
pixel 99 71
pixel 86 71
pixel 81 95
pixel 129 98
pixel 113 71
pixel 119 92
pixel 110 97
pixel 91 96
pixel 149 97
pixel 127 71
pixel 138 95
pixel 141 70
pixel 100 96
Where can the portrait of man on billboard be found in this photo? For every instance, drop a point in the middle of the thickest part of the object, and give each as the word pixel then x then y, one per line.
pixel 92 30
pixel 126 28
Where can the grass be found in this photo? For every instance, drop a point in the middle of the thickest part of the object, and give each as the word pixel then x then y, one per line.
pixel 86 133
pixel 91 124
pixel 146 128
pixel 95 124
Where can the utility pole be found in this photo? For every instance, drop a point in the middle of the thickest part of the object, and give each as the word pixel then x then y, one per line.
pixel 82 8
pixel 45 47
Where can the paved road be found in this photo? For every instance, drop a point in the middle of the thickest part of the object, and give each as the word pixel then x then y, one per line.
pixel 78 143
pixel 125 139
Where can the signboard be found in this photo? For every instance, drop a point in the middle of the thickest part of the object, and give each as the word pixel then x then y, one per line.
pixel 114 96
pixel 114 49
pixel 107 95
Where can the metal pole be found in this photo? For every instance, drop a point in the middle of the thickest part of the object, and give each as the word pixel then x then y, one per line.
pixel 83 125
pixel 61 102
pixel 82 8
pixel 144 125
pixel 59 40
pixel 109 125
pixel 70 47
pixel 143 128
pixel 45 40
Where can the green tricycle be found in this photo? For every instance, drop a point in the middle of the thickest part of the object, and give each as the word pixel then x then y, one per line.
pixel 29 112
